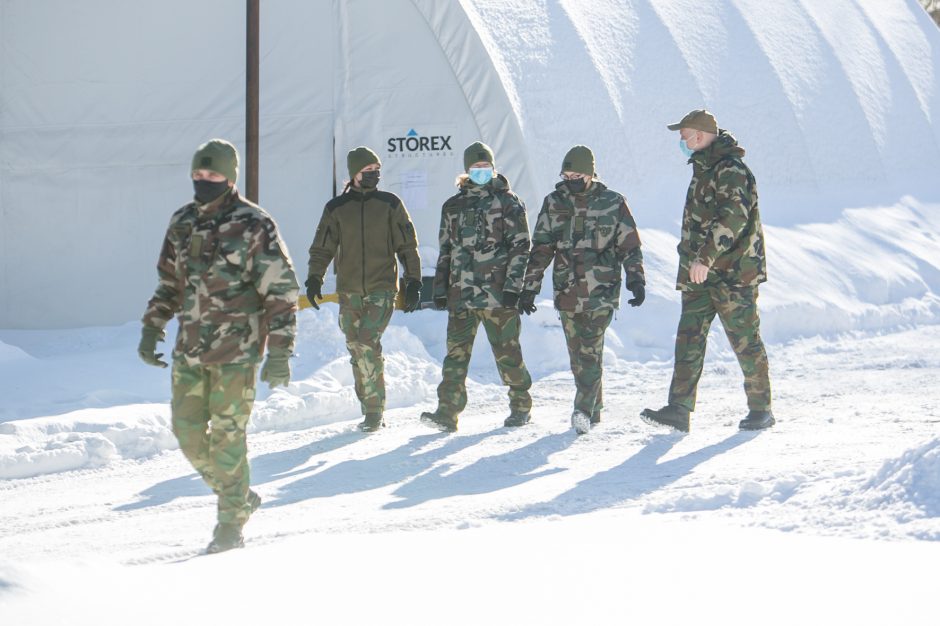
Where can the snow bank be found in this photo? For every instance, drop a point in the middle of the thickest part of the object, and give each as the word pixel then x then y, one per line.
pixel 87 438
pixel 913 478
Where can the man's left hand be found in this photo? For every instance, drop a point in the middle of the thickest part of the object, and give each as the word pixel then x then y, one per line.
pixel 698 272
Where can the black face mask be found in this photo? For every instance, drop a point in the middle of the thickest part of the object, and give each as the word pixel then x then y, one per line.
pixel 576 185
pixel 370 179
pixel 207 191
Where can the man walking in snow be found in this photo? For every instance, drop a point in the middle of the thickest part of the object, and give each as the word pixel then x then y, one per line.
pixel 366 232
pixel 226 275
pixel 590 233
pixel 721 263
pixel 484 240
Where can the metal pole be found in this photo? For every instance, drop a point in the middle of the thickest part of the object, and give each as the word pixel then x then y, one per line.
pixel 252 71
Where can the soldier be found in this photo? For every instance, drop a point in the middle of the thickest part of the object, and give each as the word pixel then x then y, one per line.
pixel 589 232
pixel 225 273
pixel 721 263
pixel 484 239
pixel 364 230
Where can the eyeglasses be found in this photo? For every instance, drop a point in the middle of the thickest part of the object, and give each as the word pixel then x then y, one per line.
pixel 572 176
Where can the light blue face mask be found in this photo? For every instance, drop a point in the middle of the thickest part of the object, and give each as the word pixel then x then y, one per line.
pixel 481 175
pixel 686 150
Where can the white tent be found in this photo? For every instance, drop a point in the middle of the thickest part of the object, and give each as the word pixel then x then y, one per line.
pixel 102 103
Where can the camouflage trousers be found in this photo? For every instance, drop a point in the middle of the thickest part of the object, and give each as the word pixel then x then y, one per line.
pixel 584 334
pixel 737 310
pixel 210 410
pixel 363 319
pixel 502 328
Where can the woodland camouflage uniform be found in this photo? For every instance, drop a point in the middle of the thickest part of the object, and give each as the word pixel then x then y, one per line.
pixel 225 274
pixel 484 242
pixel 721 229
pixel 593 240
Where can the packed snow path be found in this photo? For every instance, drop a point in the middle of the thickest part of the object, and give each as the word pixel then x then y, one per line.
pixel 855 453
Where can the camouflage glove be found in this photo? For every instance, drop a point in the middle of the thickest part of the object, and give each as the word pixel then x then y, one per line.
pixel 510 299
pixel 412 296
pixel 527 302
pixel 147 348
pixel 313 286
pixel 638 290
pixel 440 303
pixel 276 369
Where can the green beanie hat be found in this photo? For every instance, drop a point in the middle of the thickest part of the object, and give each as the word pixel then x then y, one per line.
pixel 358 158
pixel 219 156
pixel 475 152
pixel 579 159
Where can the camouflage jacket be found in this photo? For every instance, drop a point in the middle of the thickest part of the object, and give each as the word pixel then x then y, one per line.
pixel 484 240
pixel 364 232
pixel 721 222
pixel 225 273
pixel 590 235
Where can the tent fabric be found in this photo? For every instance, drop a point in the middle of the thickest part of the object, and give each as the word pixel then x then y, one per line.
pixel 102 103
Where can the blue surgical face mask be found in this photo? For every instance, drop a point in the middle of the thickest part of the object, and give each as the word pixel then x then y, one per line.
pixel 686 150
pixel 481 175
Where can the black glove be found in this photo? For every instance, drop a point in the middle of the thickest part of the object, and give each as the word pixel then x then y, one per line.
pixel 638 290
pixel 440 303
pixel 510 299
pixel 527 302
pixel 412 296
pixel 313 286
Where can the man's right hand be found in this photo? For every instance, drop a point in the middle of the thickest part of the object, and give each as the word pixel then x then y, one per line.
pixel 147 349
pixel 313 286
pixel 527 302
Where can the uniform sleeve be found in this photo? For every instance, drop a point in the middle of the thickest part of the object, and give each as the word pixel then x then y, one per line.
pixel 324 245
pixel 276 284
pixel 445 247
pixel 516 239
pixel 628 246
pixel 543 250
pixel 405 242
pixel 733 200
pixel 167 300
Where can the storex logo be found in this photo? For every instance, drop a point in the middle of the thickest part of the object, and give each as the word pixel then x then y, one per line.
pixel 412 143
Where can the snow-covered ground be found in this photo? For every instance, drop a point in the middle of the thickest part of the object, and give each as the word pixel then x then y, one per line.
pixel 834 514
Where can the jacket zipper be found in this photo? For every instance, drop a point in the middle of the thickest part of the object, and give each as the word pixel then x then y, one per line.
pixel 362 225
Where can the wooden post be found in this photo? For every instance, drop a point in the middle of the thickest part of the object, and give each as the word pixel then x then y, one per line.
pixel 252 71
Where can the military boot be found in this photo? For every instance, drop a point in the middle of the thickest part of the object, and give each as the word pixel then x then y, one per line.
pixel 581 422
pixel 517 418
pixel 225 537
pixel 670 415
pixel 596 417
pixel 440 421
pixel 757 420
pixel 371 423
pixel 254 500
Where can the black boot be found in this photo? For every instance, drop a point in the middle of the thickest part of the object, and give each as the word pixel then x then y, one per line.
pixel 225 537
pixel 517 418
pixel 670 415
pixel 254 500
pixel 757 420
pixel 444 423
pixel 371 423
pixel 596 417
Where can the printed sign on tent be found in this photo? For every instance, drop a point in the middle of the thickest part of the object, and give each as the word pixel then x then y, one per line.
pixel 420 142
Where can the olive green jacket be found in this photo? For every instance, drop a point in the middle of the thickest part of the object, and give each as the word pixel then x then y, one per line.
pixel 365 234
